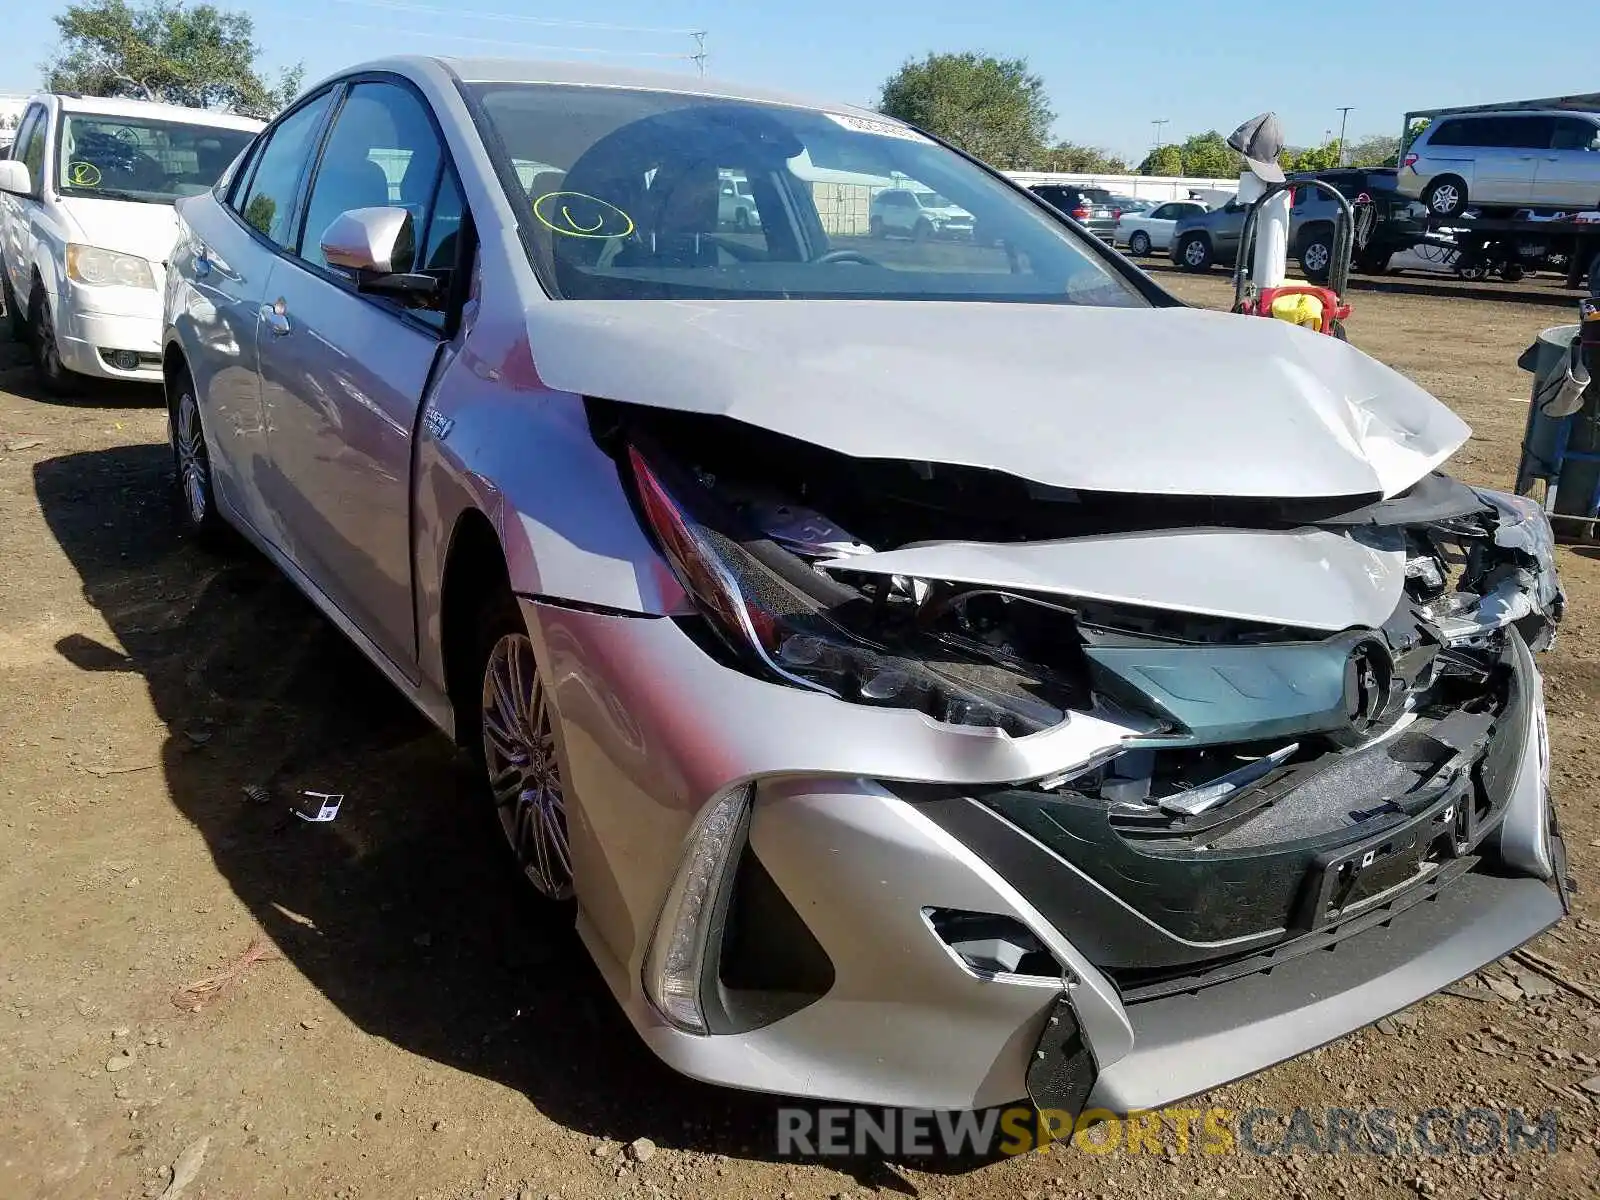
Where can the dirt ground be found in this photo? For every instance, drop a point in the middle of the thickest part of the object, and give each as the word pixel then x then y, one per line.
pixel 415 1028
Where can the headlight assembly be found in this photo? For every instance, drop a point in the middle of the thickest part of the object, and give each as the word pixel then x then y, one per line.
pixel 787 623
pixel 107 268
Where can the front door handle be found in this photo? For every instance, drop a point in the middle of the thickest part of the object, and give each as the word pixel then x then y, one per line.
pixel 276 317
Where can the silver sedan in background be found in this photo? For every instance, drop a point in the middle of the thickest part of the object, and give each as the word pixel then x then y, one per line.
pixel 931 673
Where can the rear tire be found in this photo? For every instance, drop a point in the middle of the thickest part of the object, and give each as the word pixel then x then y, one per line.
pixel 193 486
pixel 1139 243
pixel 1446 196
pixel 511 738
pixel 1513 272
pixel 1194 253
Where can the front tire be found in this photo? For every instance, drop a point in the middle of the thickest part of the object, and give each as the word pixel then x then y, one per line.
pixel 1194 253
pixel 48 368
pixel 1139 244
pixel 15 313
pixel 516 751
pixel 1446 196
pixel 1316 257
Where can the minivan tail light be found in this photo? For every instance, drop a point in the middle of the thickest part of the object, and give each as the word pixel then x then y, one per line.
pixel 1411 160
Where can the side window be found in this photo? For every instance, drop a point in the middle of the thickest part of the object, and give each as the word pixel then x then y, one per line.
pixel 1167 212
pixel 382 153
pixel 1531 133
pixel 30 144
pixel 266 201
pixel 1574 134
pixel 1450 133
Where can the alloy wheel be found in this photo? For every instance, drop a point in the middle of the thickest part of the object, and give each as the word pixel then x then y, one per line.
pixel 1317 257
pixel 519 754
pixel 1194 252
pixel 194 469
pixel 1445 199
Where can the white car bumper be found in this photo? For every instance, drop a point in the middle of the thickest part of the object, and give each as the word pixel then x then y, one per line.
pixel 98 329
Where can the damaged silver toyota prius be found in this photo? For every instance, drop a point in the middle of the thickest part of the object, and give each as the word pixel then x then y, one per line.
pixel 934 671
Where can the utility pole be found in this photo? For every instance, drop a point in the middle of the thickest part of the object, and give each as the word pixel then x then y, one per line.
pixel 1155 142
pixel 699 55
pixel 1344 115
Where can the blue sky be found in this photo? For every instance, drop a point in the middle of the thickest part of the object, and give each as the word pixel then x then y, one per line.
pixel 1110 68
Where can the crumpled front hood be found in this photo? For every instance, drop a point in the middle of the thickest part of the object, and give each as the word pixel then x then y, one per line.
pixel 146 230
pixel 1169 401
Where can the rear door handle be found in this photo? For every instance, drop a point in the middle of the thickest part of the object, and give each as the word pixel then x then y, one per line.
pixel 276 317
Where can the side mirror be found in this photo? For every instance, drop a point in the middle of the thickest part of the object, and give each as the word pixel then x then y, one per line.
pixel 378 246
pixel 14 177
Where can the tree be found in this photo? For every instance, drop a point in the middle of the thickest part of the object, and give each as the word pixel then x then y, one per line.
pixel 990 107
pixel 1310 158
pixel 1375 151
pixel 1163 160
pixel 1081 160
pixel 200 56
pixel 1208 156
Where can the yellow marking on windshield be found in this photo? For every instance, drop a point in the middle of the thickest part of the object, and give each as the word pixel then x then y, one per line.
pixel 596 218
pixel 83 174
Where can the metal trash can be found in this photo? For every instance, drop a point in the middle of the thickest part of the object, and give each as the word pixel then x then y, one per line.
pixel 1563 451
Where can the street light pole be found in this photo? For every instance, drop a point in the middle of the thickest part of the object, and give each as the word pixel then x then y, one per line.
pixel 1155 143
pixel 1344 115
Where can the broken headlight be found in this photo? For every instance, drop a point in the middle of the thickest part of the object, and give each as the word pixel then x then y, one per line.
pixel 788 623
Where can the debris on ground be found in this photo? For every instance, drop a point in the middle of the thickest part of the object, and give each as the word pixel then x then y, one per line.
pixel 256 794
pixel 641 1150
pixel 192 997
pixel 329 806
pixel 187 1167
pixel 24 444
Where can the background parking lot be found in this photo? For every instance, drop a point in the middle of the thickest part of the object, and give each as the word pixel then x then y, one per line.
pixel 416 1029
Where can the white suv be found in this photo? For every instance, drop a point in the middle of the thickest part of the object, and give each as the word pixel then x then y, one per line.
pixel 86 224
pixel 1512 159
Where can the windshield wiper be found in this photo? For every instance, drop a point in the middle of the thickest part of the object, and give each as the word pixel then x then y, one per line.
pixel 115 194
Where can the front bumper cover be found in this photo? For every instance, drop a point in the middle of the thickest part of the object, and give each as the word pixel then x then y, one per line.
pixel 903 1022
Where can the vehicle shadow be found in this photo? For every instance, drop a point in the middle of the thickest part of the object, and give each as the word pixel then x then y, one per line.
pixel 405 911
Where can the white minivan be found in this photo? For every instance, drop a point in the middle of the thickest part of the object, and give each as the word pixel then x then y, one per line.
pixel 87 223
pixel 1511 159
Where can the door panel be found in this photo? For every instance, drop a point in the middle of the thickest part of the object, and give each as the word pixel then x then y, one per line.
pixel 342 373
pixel 229 270
pixel 342 381
pixel 219 274
pixel 1568 174
pixel 1505 162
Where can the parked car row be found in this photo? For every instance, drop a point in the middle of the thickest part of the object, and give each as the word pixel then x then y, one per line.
pixel 885 654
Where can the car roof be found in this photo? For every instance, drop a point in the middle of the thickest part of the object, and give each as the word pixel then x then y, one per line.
pixel 110 107
pixel 1513 112
pixel 572 74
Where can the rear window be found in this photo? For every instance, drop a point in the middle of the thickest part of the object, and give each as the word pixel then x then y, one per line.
pixel 618 193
